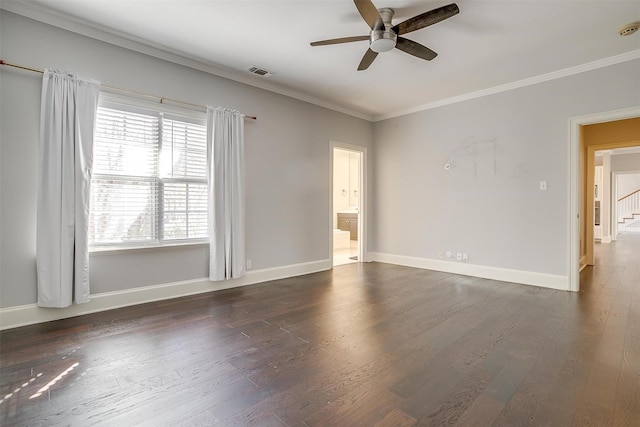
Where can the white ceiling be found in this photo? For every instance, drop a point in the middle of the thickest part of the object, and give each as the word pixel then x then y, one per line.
pixel 487 45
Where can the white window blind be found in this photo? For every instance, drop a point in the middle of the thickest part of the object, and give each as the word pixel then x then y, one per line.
pixel 184 172
pixel 149 183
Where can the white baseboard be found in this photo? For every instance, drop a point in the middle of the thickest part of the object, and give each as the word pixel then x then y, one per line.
pixel 606 239
pixel 12 317
pixel 495 273
pixel 583 262
pixel 30 314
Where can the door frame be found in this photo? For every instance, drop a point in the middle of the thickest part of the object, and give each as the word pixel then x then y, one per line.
pixel 362 202
pixel 613 203
pixel 573 232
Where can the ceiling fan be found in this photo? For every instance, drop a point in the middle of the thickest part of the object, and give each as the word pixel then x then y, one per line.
pixel 384 36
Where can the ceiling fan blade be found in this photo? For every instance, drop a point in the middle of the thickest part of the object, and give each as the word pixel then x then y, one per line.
pixel 340 40
pixel 367 59
pixel 425 19
pixel 415 49
pixel 370 14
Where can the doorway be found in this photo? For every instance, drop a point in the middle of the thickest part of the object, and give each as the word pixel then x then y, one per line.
pixel 581 198
pixel 347 203
pixel 617 193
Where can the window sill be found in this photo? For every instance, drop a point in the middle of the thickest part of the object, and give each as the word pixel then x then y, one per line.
pixel 119 250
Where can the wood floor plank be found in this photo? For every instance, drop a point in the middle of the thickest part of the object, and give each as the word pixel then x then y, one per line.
pixel 482 412
pixel 396 418
pixel 451 406
pixel 627 402
pixel 600 389
pixel 364 344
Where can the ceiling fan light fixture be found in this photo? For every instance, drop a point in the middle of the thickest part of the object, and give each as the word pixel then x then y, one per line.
pixel 382 41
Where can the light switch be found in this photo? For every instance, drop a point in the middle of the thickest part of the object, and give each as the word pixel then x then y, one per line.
pixel 543 185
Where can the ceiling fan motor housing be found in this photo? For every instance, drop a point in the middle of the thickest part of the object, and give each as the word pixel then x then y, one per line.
pixel 383 40
pixel 385 36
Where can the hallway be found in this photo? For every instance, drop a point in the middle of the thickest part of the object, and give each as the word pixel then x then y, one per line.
pixel 616 269
pixel 608 318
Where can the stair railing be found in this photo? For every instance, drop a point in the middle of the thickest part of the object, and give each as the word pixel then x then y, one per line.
pixel 628 205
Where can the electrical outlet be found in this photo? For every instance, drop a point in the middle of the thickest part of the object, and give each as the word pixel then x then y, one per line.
pixel 465 257
pixel 248 264
pixel 459 256
pixel 448 254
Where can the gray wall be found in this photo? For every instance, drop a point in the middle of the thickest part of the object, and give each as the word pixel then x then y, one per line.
pixel 500 147
pixel 488 204
pixel 287 160
pixel 627 184
pixel 625 162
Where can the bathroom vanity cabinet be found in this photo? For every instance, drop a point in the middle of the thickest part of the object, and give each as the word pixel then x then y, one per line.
pixel 349 222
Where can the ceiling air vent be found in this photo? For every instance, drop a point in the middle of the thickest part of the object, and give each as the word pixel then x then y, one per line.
pixel 259 71
pixel 629 29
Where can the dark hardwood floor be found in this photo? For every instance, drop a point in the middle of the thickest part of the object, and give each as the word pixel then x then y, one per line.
pixel 362 345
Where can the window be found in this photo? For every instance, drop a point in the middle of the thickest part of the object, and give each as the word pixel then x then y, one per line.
pixel 149 183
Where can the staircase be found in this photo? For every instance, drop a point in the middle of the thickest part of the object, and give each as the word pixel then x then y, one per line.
pixel 629 212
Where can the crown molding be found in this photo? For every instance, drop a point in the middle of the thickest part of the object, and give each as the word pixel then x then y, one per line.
pixel 157 50
pixel 147 47
pixel 594 65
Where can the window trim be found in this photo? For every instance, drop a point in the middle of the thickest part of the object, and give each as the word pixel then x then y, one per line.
pixel 141 105
pixel 114 250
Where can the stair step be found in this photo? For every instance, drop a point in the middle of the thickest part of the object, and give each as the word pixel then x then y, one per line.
pixel 629 218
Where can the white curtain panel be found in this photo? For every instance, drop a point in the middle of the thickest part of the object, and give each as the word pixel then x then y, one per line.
pixel 67 119
pixel 225 133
